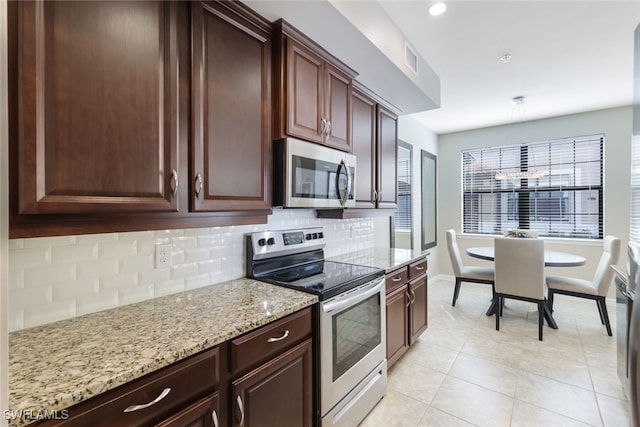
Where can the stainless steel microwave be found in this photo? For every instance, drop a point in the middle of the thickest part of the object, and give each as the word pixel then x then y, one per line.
pixel 309 175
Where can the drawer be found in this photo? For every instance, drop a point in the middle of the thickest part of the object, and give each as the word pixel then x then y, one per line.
pixel 266 342
pixel 417 268
pixel 396 278
pixel 172 388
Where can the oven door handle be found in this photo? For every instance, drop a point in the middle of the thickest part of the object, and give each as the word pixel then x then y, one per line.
pixel 361 295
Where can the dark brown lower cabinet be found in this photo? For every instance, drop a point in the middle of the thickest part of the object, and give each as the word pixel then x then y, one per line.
pixel 407 308
pixel 277 393
pixel 397 334
pixel 203 413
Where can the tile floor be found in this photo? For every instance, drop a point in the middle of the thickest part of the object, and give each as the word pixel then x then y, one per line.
pixel 462 372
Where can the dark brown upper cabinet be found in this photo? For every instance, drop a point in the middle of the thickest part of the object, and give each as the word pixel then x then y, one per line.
pixel 374 137
pixel 313 90
pixel 231 107
pixel 130 116
pixel 96 107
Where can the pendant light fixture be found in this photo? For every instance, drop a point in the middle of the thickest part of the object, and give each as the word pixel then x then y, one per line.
pixel 530 172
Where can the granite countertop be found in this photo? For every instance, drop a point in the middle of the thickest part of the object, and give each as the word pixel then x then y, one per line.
pixel 386 258
pixel 55 366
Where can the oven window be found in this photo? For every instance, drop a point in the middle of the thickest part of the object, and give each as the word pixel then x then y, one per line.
pixel 356 331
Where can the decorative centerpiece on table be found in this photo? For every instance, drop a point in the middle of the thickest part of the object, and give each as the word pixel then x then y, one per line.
pixel 523 234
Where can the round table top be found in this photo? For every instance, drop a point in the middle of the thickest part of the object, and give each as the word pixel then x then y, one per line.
pixel 551 258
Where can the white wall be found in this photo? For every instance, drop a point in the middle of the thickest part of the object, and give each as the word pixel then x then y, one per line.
pixel 615 124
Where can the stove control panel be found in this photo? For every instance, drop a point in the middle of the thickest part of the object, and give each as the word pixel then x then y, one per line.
pixel 267 244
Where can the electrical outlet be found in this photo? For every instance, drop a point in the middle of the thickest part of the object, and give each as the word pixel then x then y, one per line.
pixel 163 255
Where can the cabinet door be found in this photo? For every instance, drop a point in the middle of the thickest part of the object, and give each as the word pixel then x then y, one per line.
pixel 231 105
pixel 278 393
pixel 305 74
pixel 397 324
pixel 337 109
pixel 96 115
pixel 387 158
pixel 363 139
pixel 418 309
pixel 203 413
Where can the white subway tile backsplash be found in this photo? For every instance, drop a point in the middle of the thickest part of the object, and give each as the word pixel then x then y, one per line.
pixel 75 253
pixel 133 295
pixel 51 274
pixel 55 278
pixel 50 313
pixel 31 297
pixel 99 268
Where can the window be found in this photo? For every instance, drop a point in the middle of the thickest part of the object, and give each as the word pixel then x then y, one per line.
pixel 564 200
pixel 402 220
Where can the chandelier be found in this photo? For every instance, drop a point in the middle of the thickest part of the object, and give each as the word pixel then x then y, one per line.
pixel 518 101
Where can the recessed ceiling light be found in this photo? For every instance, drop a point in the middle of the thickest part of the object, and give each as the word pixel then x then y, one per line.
pixel 437 9
pixel 505 58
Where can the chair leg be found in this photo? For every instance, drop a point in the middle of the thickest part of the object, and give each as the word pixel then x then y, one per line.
pixel 603 306
pixel 600 311
pixel 550 300
pixel 498 311
pixel 456 291
pixel 540 318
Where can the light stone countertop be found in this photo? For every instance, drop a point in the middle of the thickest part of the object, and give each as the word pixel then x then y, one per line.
pixel 386 258
pixel 55 366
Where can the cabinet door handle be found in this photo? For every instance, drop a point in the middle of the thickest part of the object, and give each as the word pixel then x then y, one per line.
pixel 241 408
pixel 174 181
pixel 162 395
pixel 379 196
pixel 280 338
pixel 420 267
pixel 413 296
pixel 397 279
pixel 328 127
pixel 198 184
pixel 323 125
pixel 408 298
pixel 214 417
pixel 375 196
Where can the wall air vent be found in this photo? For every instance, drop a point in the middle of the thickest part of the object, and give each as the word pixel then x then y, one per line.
pixel 410 57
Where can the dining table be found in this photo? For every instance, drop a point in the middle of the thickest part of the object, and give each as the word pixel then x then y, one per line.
pixel 551 259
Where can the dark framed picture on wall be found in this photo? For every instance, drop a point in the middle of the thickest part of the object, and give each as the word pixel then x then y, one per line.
pixel 429 199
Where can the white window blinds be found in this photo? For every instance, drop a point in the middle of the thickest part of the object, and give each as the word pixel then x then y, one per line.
pixel 402 217
pixel 554 187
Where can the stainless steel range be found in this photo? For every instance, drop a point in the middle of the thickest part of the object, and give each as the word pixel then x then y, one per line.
pixel 351 359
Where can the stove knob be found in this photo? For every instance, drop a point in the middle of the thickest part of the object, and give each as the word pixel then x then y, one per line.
pixel 321 235
pixel 307 236
pixel 262 242
pixel 315 235
pixel 271 241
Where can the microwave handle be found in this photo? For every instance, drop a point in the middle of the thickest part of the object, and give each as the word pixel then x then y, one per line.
pixel 347 193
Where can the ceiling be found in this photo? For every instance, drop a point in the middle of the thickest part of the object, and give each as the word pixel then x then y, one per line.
pixel 566 56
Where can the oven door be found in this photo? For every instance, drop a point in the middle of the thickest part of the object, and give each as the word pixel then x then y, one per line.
pixel 317 176
pixel 352 341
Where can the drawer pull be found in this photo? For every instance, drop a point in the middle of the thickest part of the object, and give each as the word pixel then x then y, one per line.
pixel 241 408
pixel 214 417
pixel 286 334
pixel 397 279
pixel 420 267
pixel 162 395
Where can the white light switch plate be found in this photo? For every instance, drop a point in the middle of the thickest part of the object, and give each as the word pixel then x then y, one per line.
pixel 163 255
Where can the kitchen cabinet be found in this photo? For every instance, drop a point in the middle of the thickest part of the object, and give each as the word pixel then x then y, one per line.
pixel 184 393
pixel 130 116
pixel 407 308
pixel 374 136
pixel 273 370
pixel 313 90
pixel 231 107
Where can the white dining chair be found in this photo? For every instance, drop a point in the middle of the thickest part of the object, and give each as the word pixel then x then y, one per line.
pixel 595 289
pixel 465 273
pixel 519 274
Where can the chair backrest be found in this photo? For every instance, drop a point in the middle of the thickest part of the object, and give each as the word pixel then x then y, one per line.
pixel 519 265
pixel 604 274
pixel 454 253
